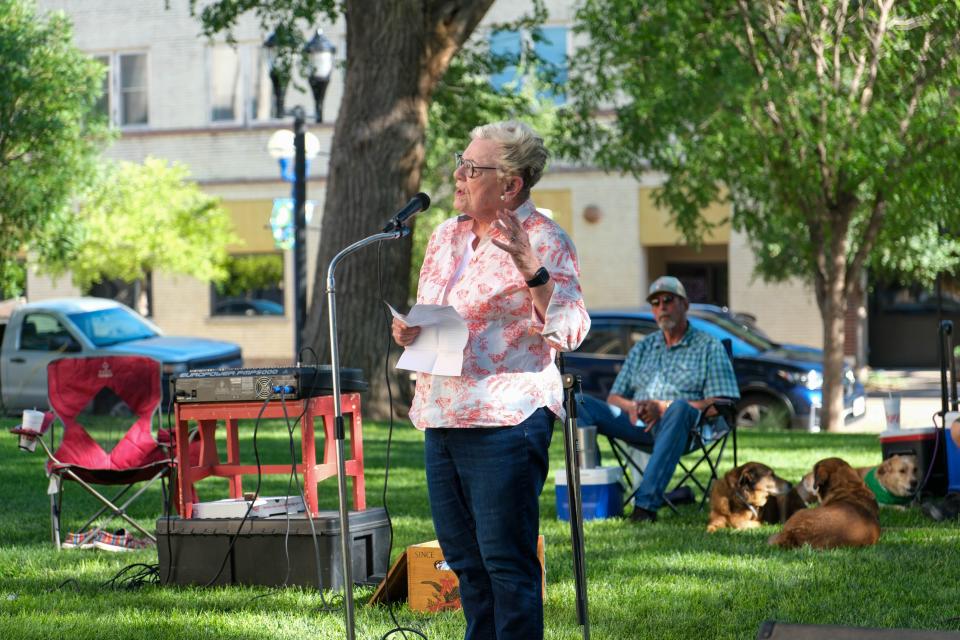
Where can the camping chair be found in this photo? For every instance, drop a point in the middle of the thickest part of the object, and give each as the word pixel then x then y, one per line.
pixel 72 384
pixel 709 435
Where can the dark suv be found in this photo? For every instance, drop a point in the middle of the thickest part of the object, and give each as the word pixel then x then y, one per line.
pixel 780 384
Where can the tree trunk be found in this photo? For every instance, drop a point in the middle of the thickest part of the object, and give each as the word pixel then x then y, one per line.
pixel 833 314
pixel 397 51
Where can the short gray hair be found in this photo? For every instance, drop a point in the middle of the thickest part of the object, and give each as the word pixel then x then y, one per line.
pixel 524 154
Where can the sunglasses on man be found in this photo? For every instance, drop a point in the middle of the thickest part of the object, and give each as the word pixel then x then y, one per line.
pixel 665 300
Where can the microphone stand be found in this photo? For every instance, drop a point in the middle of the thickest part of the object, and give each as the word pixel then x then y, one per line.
pixel 398 232
pixel 572 444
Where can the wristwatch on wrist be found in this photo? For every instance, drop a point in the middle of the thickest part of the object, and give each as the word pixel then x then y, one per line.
pixel 541 277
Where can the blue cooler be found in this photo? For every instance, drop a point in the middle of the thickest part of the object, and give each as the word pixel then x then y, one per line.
pixel 953 454
pixel 600 493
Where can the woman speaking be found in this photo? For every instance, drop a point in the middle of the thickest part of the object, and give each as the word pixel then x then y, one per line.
pixel 512 274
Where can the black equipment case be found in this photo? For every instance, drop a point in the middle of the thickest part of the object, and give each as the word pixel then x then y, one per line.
pixel 192 551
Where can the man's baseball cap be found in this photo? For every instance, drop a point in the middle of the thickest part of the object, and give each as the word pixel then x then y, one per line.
pixel 667 284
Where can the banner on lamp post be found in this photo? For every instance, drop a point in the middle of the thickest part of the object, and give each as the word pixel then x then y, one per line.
pixel 281 221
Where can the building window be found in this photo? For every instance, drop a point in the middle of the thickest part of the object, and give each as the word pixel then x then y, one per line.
pixel 225 89
pixel 253 288
pixel 239 84
pixel 103 102
pixel 550 46
pixel 133 88
pixel 125 96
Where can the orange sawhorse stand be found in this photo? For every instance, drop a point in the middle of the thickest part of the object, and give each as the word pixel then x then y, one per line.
pixel 209 415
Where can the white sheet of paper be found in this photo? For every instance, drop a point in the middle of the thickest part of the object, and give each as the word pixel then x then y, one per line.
pixel 439 347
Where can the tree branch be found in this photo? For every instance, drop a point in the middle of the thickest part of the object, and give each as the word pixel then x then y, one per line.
pixel 877 45
pixel 751 53
pixel 840 22
pixel 877 214
pixel 922 79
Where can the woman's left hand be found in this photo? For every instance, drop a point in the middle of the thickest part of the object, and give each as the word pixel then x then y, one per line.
pixel 514 240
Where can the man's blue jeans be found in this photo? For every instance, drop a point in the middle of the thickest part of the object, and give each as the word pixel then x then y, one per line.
pixel 484 485
pixel 666 442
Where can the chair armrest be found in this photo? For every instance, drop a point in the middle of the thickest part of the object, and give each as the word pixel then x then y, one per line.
pixel 48 418
pixel 725 408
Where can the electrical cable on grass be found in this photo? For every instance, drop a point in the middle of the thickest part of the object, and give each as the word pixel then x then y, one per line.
pixel 386 472
pixel 325 606
pixel 256 493
pixel 69 581
pixel 140 574
pixel 149 573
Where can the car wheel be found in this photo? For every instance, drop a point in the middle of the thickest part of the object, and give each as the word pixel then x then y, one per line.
pixel 760 412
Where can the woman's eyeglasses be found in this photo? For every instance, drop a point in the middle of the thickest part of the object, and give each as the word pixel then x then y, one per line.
pixel 472 169
pixel 656 302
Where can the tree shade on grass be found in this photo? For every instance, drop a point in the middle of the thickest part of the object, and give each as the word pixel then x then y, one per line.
pixel 668 580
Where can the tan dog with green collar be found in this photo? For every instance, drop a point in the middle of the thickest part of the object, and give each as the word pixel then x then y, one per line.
pixel 894 481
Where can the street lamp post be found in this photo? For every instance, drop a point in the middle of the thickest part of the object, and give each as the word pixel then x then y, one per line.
pixel 279 74
pixel 319 51
pixel 299 231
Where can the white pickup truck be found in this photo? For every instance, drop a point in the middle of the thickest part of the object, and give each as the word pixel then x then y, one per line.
pixel 39 332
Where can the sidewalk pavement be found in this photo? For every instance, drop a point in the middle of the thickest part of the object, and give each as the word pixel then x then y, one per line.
pixel 919 391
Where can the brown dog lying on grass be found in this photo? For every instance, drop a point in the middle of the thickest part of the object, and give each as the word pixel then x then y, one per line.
pixel 846 517
pixel 779 508
pixel 894 481
pixel 737 500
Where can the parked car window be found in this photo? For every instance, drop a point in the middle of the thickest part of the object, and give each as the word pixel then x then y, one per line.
pixel 639 330
pixel 604 340
pixel 42 333
pixel 744 342
pixel 254 307
pixel 112 326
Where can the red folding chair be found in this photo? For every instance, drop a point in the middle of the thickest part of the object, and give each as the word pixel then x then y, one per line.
pixel 137 458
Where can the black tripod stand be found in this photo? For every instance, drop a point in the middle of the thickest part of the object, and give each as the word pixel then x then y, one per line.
pixel 571 445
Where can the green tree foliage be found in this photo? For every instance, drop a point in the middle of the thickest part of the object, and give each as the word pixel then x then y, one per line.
pixel 146 217
pixel 49 136
pixel 465 98
pixel 831 127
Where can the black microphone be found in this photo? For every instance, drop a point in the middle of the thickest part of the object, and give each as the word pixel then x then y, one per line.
pixel 418 203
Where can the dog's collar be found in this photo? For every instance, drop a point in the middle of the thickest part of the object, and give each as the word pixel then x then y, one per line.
pixel 883 496
pixel 743 499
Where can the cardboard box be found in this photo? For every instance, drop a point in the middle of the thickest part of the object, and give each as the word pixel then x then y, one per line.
pixel 432 586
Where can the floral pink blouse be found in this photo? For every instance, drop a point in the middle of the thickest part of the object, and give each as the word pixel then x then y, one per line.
pixel 508 363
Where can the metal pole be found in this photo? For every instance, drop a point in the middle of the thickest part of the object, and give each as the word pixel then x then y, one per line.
pixel 338 418
pixel 299 230
pixel 571 444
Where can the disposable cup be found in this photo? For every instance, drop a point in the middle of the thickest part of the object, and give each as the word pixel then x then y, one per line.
pixel 28 443
pixel 891 409
pixel 32 420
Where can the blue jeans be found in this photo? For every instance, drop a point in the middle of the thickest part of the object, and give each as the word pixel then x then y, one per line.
pixel 666 442
pixel 484 485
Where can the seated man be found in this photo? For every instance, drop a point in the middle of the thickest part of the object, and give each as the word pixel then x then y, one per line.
pixel 666 380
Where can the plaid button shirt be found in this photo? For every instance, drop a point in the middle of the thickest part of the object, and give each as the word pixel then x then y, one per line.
pixel 695 368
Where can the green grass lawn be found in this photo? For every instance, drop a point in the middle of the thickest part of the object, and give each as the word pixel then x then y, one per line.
pixel 668 580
